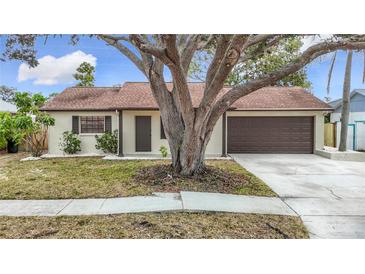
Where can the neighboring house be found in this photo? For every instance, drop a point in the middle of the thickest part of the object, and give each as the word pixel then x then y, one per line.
pixel 356 130
pixel 7 107
pixel 269 120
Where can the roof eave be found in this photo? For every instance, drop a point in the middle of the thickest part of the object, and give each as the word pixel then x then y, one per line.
pixel 281 109
pixel 339 103
pixel 69 109
pixel 155 108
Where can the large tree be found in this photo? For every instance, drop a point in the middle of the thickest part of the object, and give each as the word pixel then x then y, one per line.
pixel 85 75
pixel 7 94
pixel 189 129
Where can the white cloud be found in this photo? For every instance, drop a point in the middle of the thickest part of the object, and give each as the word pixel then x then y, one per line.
pixel 52 70
pixel 311 40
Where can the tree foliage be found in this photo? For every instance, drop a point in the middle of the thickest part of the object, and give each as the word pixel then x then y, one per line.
pixel 7 94
pixel 52 95
pixel 85 75
pixel 29 104
pixel 21 47
pixel 282 53
pixel 10 130
pixel 3 142
pixel 32 123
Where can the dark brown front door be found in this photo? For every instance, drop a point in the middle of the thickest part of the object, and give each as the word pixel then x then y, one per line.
pixel 270 134
pixel 143 133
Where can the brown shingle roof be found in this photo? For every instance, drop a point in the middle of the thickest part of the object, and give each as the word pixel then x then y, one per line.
pixel 138 95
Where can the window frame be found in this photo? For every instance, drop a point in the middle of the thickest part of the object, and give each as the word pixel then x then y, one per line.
pixel 90 133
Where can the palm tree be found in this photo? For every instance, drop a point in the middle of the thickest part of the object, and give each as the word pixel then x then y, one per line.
pixel 346 103
pixel 345 113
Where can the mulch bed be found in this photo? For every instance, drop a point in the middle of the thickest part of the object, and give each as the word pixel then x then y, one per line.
pixel 212 179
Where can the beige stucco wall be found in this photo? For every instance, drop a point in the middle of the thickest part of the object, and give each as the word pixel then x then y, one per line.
pixel 318 121
pixel 129 139
pixel 214 148
pixel 63 122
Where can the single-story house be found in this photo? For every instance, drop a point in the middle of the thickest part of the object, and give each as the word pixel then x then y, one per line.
pixel 356 132
pixel 269 120
pixel 7 107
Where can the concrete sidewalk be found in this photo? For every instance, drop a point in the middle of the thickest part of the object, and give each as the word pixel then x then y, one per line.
pixel 160 202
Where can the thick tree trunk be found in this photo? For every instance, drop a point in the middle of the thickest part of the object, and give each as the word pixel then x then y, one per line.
pixel 187 146
pixel 192 155
pixel 189 157
pixel 345 104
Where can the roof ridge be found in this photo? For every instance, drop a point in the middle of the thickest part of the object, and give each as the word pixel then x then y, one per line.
pixel 93 87
pixel 191 82
pixel 146 82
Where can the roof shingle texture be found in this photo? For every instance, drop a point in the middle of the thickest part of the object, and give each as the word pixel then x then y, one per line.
pixel 138 95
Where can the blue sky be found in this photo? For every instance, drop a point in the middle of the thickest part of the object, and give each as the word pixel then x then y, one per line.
pixel 113 68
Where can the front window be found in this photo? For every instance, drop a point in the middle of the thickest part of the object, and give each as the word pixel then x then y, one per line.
pixel 92 124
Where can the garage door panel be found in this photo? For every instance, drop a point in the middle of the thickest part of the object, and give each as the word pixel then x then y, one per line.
pixel 270 134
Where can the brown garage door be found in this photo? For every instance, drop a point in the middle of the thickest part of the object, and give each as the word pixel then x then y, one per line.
pixel 270 134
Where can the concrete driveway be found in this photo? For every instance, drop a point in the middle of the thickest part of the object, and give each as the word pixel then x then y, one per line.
pixel 328 195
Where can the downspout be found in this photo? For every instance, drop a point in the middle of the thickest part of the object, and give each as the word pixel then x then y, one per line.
pixel 120 133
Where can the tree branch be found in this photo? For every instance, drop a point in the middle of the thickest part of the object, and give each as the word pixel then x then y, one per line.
pixel 180 83
pixel 147 47
pixel 158 84
pixel 116 38
pixel 261 50
pixel 169 55
pixel 203 43
pixel 255 39
pixel 223 66
pixel 124 50
pixel 222 46
pixel 269 79
pixel 188 50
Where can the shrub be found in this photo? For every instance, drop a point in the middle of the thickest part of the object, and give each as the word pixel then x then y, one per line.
pixel 10 128
pixel 163 151
pixel 3 144
pixel 108 142
pixel 70 143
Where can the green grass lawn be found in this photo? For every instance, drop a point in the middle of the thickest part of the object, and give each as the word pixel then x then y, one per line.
pixel 97 178
pixel 155 226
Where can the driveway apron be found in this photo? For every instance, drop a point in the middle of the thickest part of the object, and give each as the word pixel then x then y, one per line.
pixel 328 195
